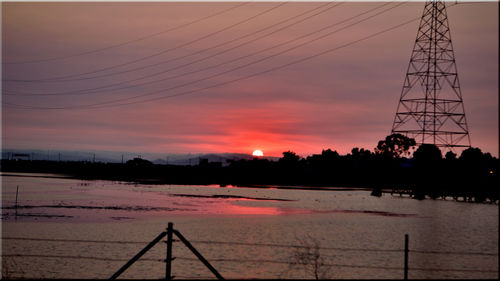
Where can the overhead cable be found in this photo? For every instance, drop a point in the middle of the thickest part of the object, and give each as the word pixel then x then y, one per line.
pixel 129 41
pixel 152 55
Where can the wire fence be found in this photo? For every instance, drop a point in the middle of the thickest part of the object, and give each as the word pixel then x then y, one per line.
pixel 78 257
pixel 341 265
pixel 261 261
pixel 253 245
pixel 75 240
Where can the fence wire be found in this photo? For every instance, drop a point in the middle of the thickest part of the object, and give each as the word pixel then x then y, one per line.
pixel 78 257
pixel 292 246
pixel 342 265
pixel 75 240
pixel 249 260
pixel 256 261
pixel 256 245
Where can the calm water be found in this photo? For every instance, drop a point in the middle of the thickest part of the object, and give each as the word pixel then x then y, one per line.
pixel 357 235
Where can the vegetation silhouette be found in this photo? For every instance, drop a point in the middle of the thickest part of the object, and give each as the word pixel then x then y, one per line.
pixel 308 258
pixel 470 177
pixel 395 145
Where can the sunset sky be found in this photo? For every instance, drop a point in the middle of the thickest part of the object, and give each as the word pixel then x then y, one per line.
pixel 214 77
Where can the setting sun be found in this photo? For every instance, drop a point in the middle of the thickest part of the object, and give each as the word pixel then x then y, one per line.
pixel 258 153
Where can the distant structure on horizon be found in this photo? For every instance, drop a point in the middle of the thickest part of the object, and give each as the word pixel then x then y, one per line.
pixel 431 108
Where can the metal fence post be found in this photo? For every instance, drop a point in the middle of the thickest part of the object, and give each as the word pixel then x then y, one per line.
pixel 406 258
pixel 168 273
pixel 17 191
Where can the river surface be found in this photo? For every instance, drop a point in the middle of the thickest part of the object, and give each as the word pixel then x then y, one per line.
pixel 68 228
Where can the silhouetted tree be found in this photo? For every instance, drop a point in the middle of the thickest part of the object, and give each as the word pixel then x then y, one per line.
pixel 289 156
pixel 290 168
pixel 395 145
pixel 427 153
pixel 329 155
pixel 471 155
pixel 360 153
pixel 473 160
pixel 139 162
pixel 429 176
pixel 487 156
pixel 450 155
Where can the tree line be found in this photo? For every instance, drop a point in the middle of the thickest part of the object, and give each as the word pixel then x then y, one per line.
pixel 395 164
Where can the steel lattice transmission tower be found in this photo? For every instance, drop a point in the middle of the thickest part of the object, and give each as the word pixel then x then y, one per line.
pixel 431 108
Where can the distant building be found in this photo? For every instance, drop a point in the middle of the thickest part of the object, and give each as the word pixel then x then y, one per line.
pixel 20 156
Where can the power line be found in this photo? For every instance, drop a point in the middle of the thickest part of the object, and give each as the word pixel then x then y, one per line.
pixel 210 48
pixel 92 90
pixel 114 102
pixel 248 55
pixel 152 55
pixel 129 41
pixel 103 104
pixel 227 42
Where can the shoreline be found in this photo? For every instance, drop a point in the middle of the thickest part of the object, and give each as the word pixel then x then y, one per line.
pixel 156 182
pixel 411 190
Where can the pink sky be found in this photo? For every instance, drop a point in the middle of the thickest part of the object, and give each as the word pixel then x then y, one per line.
pixel 344 99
